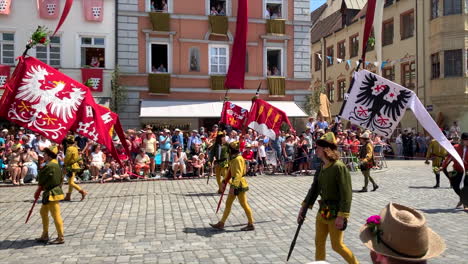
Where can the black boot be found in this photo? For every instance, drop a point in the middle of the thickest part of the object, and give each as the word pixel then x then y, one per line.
pixel 437 180
pixel 364 189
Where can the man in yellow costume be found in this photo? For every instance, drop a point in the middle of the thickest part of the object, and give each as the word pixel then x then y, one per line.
pixel 239 188
pixel 219 154
pixel 437 154
pixel 72 157
pixel 50 180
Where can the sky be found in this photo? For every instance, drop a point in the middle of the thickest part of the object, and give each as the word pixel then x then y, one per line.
pixel 314 4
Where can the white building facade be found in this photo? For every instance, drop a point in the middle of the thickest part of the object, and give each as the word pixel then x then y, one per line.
pixel 78 42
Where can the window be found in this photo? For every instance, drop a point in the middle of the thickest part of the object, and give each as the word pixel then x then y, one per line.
pixel 274 9
pixel 435 66
pixel 387 29
pixel 388 2
pixel 452 7
pixel 194 59
pixel 159 6
pixel 7 48
pixel 434 9
pixel 93 52
pixel 159 58
pixel 218 62
pixel 353 46
pixel 407 25
pixel 50 54
pixel 330 57
pixel 217 7
pixel 453 63
pixel 341 89
pixel 389 73
pixel 408 75
pixel 318 62
pixel 275 62
pixel 331 91
pixel 342 50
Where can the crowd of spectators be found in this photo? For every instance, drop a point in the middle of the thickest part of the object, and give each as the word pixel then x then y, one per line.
pixel 177 154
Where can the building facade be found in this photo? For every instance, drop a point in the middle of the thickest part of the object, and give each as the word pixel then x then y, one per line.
pixel 85 41
pixel 424 49
pixel 174 56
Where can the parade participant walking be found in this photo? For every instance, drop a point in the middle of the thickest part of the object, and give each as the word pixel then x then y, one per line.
pixel 72 157
pixel 335 189
pixel 436 153
pixel 366 159
pixel 220 155
pixel 456 180
pixel 50 179
pixel 239 188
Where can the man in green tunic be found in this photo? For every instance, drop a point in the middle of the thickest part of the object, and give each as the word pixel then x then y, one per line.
pixel 219 154
pixel 50 180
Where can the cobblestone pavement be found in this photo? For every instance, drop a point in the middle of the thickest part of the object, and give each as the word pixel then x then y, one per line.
pixel 167 221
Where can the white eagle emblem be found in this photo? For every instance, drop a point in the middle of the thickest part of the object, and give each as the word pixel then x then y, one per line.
pixel 64 108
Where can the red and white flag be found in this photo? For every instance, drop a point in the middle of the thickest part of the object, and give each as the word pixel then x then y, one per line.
pixel 93 10
pixel 234 115
pixel 5 7
pixel 48 9
pixel 4 75
pixel 94 77
pixel 266 119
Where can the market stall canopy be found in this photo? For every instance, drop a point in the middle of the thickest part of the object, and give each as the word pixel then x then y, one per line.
pixel 194 109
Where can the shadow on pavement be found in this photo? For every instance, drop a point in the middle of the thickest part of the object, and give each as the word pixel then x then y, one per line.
pixel 209 232
pixel 444 210
pixel 19 244
pixel 199 194
pixel 427 187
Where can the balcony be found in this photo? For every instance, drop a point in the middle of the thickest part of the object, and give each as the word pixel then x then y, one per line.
pixel 159 83
pixel 276 26
pixel 219 25
pixel 277 86
pixel 160 21
pixel 217 82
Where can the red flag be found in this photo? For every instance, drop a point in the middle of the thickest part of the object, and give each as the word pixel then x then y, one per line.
pixel 48 9
pixel 94 77
pixel 5 7
pixel 42 99
pixel 66 10
pixel 234 115
pixel 236 73
pixel 266 119
pixel 368 26
pixel 4 75
pixel 93 10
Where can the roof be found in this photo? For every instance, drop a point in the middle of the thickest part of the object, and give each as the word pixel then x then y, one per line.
pixel 355 4
pixel 361 13
pixel 326 26
pixel 315 15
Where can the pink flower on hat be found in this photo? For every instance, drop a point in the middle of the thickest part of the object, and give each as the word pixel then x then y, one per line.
pixel 375 219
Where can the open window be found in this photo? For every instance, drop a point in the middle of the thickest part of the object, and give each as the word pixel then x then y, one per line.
pixel 275 62
pixel 93 52
pixel 274 9
pixel 159 6
pixel 218 7
pixel 159 62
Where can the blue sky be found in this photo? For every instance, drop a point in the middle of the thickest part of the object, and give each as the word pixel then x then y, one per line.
pixel 314 4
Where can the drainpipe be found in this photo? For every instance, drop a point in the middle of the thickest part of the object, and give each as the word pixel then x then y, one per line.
pixel 116 33
pixel 417 57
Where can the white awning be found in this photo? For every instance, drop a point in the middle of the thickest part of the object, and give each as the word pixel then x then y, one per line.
pixel 172 109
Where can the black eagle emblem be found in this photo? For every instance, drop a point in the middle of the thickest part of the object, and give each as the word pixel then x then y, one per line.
pixel 378 107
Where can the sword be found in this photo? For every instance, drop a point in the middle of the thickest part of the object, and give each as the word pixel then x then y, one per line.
pixel 310 200
pixel 32 208
pixel 224 189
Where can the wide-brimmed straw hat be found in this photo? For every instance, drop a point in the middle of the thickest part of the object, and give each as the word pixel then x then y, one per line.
pixel 403 235
pixel 365 135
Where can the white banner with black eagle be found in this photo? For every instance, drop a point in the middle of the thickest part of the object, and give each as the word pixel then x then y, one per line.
pixel 378 104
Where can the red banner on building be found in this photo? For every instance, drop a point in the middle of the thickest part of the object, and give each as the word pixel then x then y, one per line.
pixel 5 7
pixel 266 119
pixel 4 75
pixel 234 115
pixel 48 9
pixel 93 10
pixel 93 77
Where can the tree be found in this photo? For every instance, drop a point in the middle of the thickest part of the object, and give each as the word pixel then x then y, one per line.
pixel 312 104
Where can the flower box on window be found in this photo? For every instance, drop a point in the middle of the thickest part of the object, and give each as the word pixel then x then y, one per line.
pixel 276 26
pixel 217 82
pixel 219 25
pixel 277 86
pixel 159 83
pixel 160 21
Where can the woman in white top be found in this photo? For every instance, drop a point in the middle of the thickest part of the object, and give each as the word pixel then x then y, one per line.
pixel 97 161
pixel 178 162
